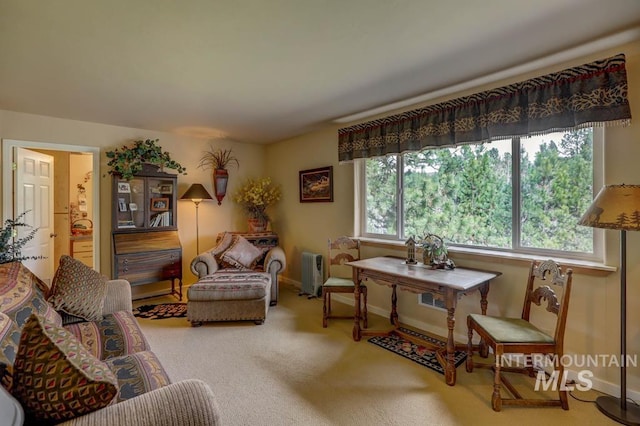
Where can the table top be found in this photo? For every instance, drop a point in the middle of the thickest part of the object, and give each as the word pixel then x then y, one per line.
pixel 458 279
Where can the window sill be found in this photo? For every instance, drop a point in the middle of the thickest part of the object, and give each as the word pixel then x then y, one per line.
pixel 584 267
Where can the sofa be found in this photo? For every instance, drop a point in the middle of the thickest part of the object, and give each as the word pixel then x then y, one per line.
pixel 237 279
pixel 58 367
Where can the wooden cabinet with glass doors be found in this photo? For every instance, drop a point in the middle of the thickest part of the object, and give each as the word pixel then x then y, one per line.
pixel 146 247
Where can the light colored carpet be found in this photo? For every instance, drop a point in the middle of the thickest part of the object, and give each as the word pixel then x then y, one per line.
pixel 291 371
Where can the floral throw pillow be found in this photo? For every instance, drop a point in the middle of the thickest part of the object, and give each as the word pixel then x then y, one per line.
pixel 242 254
pixel 78 290
pixel 55 377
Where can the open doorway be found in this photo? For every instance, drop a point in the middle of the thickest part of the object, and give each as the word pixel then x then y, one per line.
pixel 75 224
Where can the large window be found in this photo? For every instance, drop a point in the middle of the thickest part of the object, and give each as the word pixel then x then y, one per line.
pixel 523 194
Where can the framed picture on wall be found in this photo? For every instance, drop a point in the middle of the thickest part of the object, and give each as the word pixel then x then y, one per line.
pixel 316 185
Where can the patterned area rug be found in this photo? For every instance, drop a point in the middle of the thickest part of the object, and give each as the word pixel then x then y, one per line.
pixel 161 311
pixel 416 353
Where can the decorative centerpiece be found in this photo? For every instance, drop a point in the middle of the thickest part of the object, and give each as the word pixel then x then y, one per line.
pixel 434 252
pixel 128 160
pixel 254 197
pixel 218 159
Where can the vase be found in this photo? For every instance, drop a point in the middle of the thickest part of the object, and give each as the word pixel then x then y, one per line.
pixel 257 225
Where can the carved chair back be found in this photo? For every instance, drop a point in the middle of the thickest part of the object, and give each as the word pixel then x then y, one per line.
pixel 342 250
pixel 546 281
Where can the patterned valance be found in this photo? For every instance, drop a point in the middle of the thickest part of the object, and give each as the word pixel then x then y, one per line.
pixel 593 94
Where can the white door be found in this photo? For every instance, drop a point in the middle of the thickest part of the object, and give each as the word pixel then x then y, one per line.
pixel 33 193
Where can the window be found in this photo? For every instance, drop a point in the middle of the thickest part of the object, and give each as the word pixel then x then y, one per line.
pixel 482 195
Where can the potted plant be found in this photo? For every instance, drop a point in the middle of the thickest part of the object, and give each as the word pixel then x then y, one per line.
pixel 435 252
pixel 11 246
pixel 128 160
pixel 217 159
pixel 255 196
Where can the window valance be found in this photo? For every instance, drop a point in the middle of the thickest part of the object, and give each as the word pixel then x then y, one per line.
pixel 593 94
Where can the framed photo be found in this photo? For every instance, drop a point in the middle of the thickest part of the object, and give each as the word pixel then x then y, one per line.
pixel 133 207
pixel 159 204
pixel 122 205
pixel 166 189
pixel 124 188
pixel 316 185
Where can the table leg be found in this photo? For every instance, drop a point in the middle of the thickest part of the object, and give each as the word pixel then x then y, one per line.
pixel 357 332
pixel 394 303
pixel 450 367
pixel 484 290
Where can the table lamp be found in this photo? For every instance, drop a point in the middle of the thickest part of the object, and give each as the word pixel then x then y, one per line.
pixel 196 193
pixel 618 207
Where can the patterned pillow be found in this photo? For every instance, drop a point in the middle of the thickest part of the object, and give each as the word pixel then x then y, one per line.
pixel 55 378
pixel 224 241
pixel 23 294
pixel 9 340
pixel 78 290
pixel 242 254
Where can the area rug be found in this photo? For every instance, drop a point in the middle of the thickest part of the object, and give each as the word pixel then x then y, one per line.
pixel 414 352
pixel 161 311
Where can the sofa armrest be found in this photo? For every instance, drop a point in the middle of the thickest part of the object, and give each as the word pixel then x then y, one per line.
pixel 275 261
pixel 189 402
pixel 118 297
pixel 204 264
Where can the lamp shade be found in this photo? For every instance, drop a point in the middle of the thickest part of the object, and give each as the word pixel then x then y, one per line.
pixel 196 192
pixel 615 207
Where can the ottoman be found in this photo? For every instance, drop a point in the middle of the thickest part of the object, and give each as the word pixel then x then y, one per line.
pixel 229 295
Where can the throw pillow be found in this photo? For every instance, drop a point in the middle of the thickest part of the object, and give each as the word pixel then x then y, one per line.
pixel 223 244
pixel 242 254
pixel 78 290
pixel 55 378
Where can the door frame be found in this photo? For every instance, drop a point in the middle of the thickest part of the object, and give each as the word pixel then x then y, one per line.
pixel 7 182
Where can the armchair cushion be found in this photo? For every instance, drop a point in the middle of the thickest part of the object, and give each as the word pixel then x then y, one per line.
pixel 242 254
pixel 114 335
pixel 78 290
pixel 23 294
pixel 137 374
pixel 55 378
pixel 9 341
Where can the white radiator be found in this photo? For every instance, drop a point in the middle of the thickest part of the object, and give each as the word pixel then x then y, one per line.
pixel 312 274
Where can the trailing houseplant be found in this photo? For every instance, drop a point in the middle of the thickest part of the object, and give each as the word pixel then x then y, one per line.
pixel 128 160
pixel 11 246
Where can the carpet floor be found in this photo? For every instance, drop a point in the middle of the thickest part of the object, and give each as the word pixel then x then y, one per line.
pixel 291 371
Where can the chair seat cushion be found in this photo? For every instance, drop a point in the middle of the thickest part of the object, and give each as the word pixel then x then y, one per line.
pixel 338 282
pixel 511 330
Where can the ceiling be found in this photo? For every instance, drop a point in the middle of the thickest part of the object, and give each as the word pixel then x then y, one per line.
pixel 260 71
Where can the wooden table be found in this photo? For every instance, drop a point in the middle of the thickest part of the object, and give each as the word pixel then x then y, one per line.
pixel 419 278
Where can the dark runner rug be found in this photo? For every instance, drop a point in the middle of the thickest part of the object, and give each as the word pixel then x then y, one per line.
pixel 161 311
pixel 416 353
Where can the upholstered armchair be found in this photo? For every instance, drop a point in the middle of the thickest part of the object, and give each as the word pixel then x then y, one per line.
pixel 271 259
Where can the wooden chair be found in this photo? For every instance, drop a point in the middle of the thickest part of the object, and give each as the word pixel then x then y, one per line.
pixel 341 250
pixel 519 336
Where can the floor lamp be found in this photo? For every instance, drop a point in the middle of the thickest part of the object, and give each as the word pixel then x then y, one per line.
pixel 196 193
pixel 618 207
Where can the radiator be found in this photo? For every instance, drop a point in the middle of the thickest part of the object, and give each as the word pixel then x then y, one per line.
pixel 312 274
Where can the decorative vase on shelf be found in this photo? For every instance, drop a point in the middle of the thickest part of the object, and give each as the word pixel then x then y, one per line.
pixel 257 225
